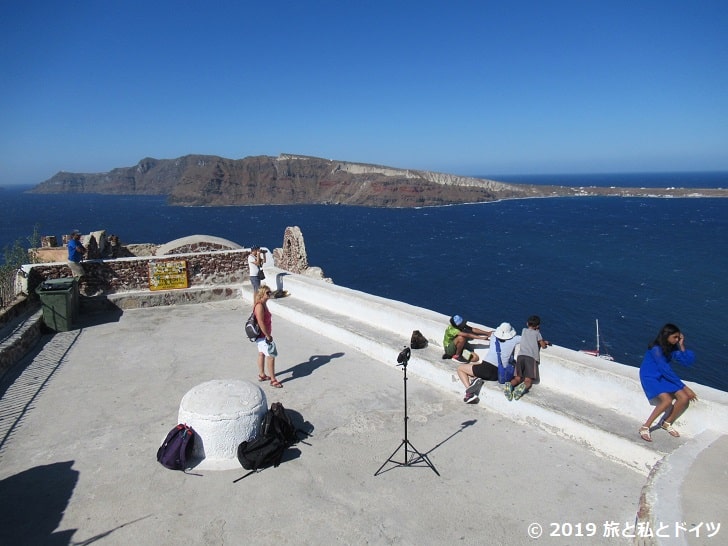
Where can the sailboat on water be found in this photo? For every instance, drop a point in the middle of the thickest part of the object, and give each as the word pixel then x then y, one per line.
pixel 595 352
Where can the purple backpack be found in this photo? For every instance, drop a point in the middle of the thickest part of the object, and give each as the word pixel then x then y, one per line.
pixel 176 449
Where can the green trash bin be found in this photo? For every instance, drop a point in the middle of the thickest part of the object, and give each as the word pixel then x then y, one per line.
pixel 59 300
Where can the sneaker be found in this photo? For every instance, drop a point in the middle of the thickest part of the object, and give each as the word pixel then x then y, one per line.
pixel 508 391
pixel 519 391
pixel 470 398
pixel 474 386
pixel 460 359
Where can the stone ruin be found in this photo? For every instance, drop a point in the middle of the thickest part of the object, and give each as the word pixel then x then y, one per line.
pixel 292 257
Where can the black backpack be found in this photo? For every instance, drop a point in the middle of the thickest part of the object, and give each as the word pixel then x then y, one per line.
pixel 276 434
pixel 176 449
pixel 418 341
pixel 252 330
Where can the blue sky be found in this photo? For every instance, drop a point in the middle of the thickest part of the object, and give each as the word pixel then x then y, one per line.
pixel 466 87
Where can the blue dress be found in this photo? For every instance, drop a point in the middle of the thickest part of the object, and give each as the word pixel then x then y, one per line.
pixel 657 376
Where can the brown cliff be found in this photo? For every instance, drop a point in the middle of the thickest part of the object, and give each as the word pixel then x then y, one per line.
pixel 203 180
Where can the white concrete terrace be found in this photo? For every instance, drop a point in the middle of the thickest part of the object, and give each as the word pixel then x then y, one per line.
pixel 586 399
pixel 579 426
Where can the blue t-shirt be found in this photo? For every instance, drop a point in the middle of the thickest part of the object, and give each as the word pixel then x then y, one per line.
pixel 74 250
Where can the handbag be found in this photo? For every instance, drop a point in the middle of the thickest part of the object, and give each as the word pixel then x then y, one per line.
pixel 505 373
pixel 261 275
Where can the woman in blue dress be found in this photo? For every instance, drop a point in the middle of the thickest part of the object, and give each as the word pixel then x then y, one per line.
pixel 660 382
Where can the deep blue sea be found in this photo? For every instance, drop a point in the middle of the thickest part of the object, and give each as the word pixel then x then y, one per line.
pixel 632 263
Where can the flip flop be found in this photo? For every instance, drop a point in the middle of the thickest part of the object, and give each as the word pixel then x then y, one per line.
pixel 645 434
pixel 263 377
pixel 277 384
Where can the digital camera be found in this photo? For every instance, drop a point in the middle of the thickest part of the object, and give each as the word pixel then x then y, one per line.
pixel 404 355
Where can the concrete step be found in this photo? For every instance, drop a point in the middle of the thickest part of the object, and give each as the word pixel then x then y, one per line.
pixel 603 430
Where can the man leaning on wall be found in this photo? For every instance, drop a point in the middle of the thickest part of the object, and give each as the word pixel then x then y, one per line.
pixel 76 251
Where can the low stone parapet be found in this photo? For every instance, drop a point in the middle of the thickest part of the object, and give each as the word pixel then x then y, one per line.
pixel 212 268
pixel 19 335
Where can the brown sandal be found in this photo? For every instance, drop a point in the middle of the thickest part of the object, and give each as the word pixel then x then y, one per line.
pixel 277 384
pixel 645 434
pixel 262 377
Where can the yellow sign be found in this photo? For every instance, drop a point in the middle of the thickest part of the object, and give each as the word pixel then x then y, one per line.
pixel 168 275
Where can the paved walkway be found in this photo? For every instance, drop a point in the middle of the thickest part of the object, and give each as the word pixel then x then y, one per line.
pixel 82 418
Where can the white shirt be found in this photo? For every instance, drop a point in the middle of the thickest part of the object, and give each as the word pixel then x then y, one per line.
pixel 252 265
pixel 507 347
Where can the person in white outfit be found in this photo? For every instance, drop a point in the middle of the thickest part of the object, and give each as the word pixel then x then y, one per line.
pixel 472 375
pixel 256 259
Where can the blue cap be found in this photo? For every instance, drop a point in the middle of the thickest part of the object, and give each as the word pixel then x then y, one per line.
pixel 457 321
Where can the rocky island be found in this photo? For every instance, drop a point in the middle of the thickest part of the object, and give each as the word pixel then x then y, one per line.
pixel 206 180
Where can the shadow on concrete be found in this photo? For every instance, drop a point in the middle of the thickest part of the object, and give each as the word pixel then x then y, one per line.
pixel 107 533
pixel 24 382
pixel 92 312
pixel 463 426
pixel 14 372
pixel 304 429
pixel 97 310
pixel 32 504
pixel 411 458
pixel 307 368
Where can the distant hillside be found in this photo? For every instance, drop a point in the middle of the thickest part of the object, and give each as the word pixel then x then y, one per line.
pixel 199 180
pixel 286 179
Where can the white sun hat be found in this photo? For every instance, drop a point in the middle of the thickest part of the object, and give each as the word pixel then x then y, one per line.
pixel 505 331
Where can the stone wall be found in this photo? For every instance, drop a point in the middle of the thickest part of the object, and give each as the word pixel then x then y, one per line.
pixel 214 267
pixel 22 304
pixel 126 274
pixel 18 336
pixel 210 261
pixel 122 283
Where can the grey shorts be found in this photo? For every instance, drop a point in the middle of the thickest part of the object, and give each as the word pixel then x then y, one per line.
pixel 76 269
pixel 527 366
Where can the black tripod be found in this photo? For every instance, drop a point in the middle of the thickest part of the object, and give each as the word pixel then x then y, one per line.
pixel 416 458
